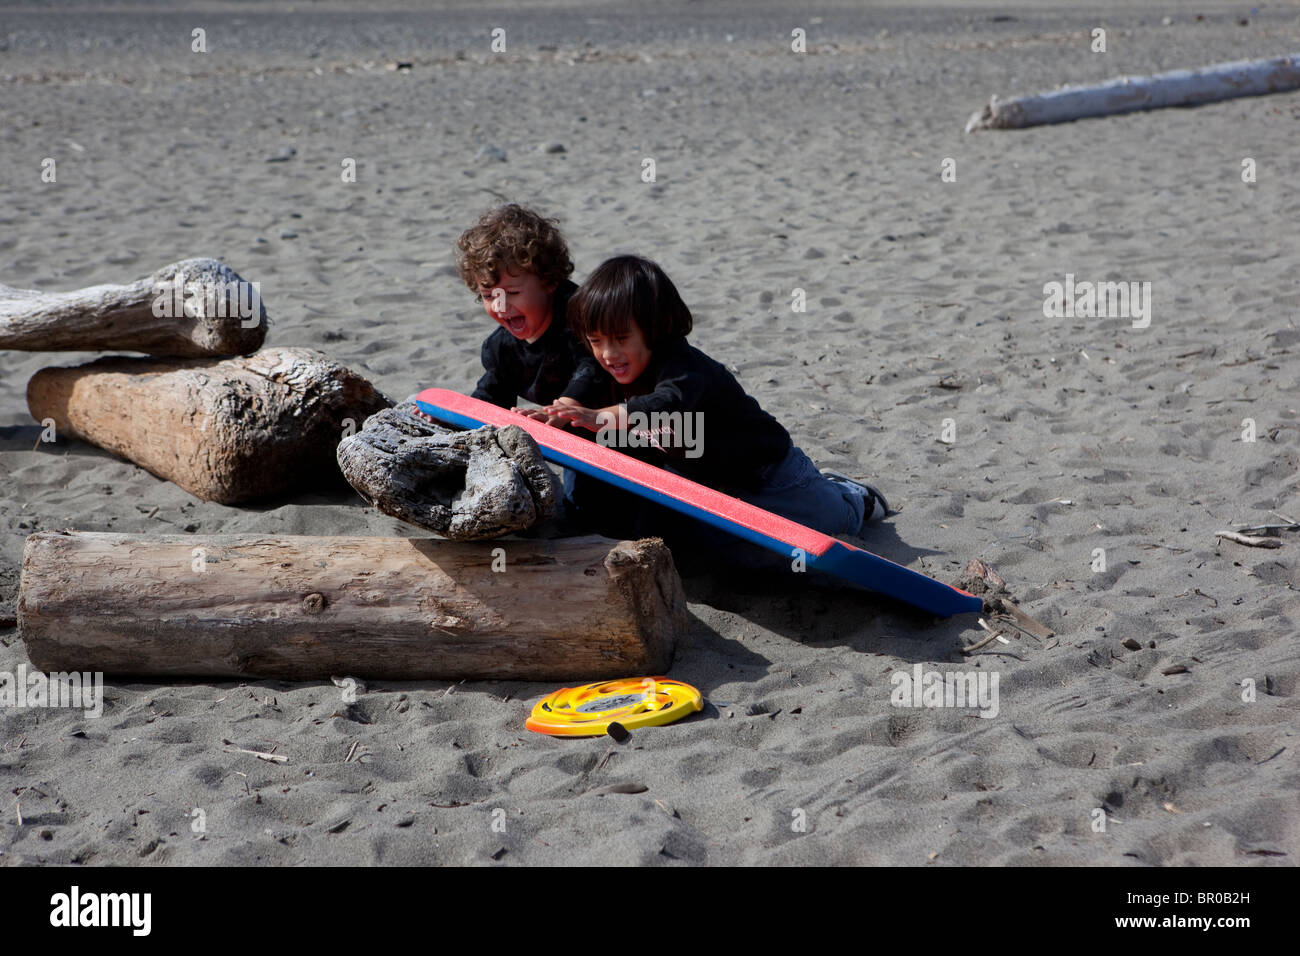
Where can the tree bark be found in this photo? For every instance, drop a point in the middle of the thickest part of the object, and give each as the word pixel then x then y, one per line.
pixel 1223 81
pixel 308 608
pixel 206 309
pixel 228 431
pixel 465 485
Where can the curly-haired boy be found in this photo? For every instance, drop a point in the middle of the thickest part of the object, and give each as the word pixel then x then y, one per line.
pixel 518 264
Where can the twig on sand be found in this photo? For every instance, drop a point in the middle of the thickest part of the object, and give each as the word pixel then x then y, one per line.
pixel 983 580
pixel 972 648
pixel 1011 613
pixel 275 758
pixel 1268 530
pixel 1251 541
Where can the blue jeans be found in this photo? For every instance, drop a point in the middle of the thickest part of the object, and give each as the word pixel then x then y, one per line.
pixel 795 489
pixel 792 488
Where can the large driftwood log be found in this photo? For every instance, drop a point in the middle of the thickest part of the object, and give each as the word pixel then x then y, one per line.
pixel 306 608
pixel 189 308
pixel 464 485
pixel 1125 94
pixel 227 431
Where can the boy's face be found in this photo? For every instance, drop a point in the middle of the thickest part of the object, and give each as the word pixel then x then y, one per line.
pixel 622 354
pixel 520 302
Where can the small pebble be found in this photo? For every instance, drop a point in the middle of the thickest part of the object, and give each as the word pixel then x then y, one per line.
pixel 288 234
pixel 282 155
pixel 552 148
pixel 492 152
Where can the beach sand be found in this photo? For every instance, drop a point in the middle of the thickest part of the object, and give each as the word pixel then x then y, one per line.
pixel 775 171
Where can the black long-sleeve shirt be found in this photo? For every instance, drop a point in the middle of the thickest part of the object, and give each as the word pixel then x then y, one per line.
pixel 555 366
pixel 736 438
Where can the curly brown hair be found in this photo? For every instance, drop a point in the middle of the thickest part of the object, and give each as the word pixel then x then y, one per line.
pixel 512 238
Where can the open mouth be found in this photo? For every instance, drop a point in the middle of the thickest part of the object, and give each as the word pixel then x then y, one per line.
pixel 516 325
pixel 618 371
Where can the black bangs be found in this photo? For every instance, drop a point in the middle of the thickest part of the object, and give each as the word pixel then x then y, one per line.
pixel 629 289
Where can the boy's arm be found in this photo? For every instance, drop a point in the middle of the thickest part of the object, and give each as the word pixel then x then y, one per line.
pixel 589 385
pixel 680 389
pixel 492 386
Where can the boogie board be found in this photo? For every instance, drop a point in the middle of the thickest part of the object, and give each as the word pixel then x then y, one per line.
pixel 746 521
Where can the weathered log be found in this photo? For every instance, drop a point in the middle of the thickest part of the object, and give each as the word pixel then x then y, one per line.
pixel 306 608
pixel 463 485
pixel 226 431
pixel 190 308
pixel 1224 81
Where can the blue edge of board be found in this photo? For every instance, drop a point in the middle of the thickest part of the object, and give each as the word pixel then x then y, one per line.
pixel 855 565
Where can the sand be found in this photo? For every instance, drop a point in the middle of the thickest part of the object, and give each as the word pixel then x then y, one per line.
pixel 774 171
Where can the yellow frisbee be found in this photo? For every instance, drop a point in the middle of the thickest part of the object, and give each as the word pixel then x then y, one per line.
pixel 587 711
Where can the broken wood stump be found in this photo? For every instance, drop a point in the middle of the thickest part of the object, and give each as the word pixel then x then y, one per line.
pixel 307 608
pixel 193 307
pixel 465 485
pixel 226 431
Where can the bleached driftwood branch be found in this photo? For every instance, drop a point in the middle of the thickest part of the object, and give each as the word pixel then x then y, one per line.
pixel 1125 94
pixel 189 308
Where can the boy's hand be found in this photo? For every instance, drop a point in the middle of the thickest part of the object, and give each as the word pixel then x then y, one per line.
pixel 548 415
pixel 592 419
pixel 536 414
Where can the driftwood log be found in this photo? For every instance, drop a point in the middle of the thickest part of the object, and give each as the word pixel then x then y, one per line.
pixel 190 308
pixel 226 431
pixel 1224 81
pixel 465 485
pixel 307 608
